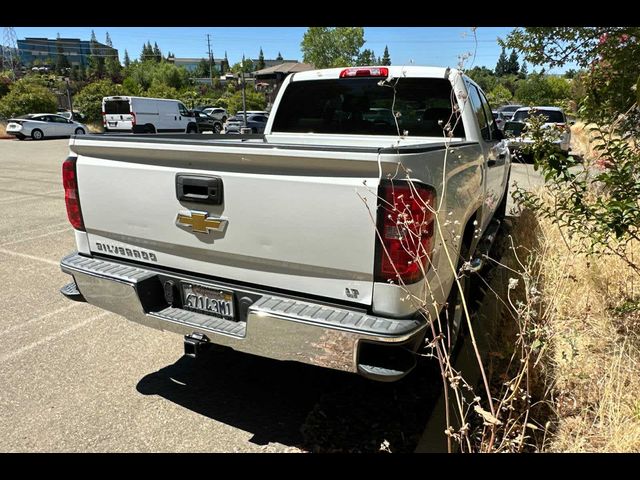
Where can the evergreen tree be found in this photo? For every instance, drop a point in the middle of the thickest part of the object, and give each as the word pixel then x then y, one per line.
pixel 502 65
pixel 157 54
pixel 112 62
pixel 127 60
pixel 386 59
pixel 261 60
pixel 82 73
pixel 96 59
pixel 279 57
pixel 512 64
pixel 62 63
pixel 523 70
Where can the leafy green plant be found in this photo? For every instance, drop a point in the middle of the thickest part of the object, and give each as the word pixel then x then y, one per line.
pixel 28 95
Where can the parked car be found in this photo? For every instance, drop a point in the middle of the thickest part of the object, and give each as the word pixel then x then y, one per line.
pixel 146 115
pixel 516 129
pixel 44 125
pixel 206 123
pixel 498 119
pixel 217 113
pixel 256 122
pixel 76 115
pixel 506 111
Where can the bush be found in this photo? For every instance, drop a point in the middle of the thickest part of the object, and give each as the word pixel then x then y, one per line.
pixel 233 101
pixel 544 90
pixel 89 99
pixel 161 90
pixel 27 95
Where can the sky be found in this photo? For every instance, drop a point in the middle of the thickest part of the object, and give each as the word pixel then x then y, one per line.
pixel 436 46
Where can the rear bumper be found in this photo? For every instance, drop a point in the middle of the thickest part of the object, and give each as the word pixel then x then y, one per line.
pixel 270 325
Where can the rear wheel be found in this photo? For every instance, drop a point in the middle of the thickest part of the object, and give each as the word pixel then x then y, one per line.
pixel 217 127
pixel 192 129
pixel 454 315
pixel 79 131
pixel 37 134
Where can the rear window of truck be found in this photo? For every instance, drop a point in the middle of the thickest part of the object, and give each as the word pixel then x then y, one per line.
pixel 422 107
pixel 116 107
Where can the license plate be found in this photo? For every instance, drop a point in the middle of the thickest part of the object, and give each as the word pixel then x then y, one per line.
pixel 113 124
pixel 207 300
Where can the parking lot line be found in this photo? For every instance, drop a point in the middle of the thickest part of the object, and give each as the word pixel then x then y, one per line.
pixel 33 238
pixel 49 338
pixel 30 257
pixel 39 319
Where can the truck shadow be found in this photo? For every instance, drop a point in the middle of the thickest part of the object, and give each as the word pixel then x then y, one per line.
pixel 312 408
pixel 298 405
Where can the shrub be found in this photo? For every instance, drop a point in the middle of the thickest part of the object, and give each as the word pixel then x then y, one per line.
pixel 27 95
pixel 89 99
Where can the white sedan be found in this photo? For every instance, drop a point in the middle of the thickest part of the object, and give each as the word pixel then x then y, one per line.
pixel 41 125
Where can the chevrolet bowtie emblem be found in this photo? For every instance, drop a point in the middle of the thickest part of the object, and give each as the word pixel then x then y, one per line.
pixel 200 222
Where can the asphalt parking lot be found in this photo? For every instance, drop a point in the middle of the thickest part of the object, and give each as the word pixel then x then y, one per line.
pixel 77 379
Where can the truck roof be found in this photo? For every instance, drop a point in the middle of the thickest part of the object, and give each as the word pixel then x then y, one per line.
pixel 127 97
pixel 394 71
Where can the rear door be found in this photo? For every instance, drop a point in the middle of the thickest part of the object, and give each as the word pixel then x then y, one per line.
pixel 118 113
pixel 495 149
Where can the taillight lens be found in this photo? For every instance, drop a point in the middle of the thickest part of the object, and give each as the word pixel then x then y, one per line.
pixel 405 227
pixel 104 119
pixel 133 120
pixel 71 198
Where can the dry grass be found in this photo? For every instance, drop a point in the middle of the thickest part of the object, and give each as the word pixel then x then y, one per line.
pixel 595 349
pixel 3 131
pixel 95 127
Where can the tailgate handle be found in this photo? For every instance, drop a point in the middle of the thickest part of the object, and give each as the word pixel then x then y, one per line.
pixel 200 189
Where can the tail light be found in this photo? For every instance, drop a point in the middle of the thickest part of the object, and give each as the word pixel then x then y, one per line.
pixel 365 72
pixel 133 118
pixel 71 198
pixel 104 119
pixel 405 231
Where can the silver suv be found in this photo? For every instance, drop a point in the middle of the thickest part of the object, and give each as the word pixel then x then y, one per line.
pixel 217 113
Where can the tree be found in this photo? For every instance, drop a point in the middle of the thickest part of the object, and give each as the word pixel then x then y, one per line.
pixel 157 54
pixel 147 52
pixel 202 69
pixel 127 60
pixel 543 90
pixel 261 64
pixel 483 76
pixel 500 95
pixel 89 99
pixel 523 70
pixel 502 67
pixel 332 47
pixel 571 73
pixel 237 68
pixel 366 57
pixel 610 56
pixel 279 57
pixel 512 64
pixel 62 63
pixel 112 63
pixel 96 69
pixel 27 95
pixel 386 59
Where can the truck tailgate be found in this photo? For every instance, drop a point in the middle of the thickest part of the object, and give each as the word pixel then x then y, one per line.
pixel 295 217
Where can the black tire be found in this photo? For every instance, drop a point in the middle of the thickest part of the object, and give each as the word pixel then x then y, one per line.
pixel 192 129
pixel 224 119
pixel 37 134
pixel 80 131
pixel 453 317
pixel 148 128
pixel 217 127
pixel 20 137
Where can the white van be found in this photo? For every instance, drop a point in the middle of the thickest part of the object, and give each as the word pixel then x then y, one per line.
pixel 146 115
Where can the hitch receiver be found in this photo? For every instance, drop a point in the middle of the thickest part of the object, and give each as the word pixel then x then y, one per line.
pixel 195 344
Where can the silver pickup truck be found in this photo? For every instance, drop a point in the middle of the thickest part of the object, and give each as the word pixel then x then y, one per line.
pixel 288 245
